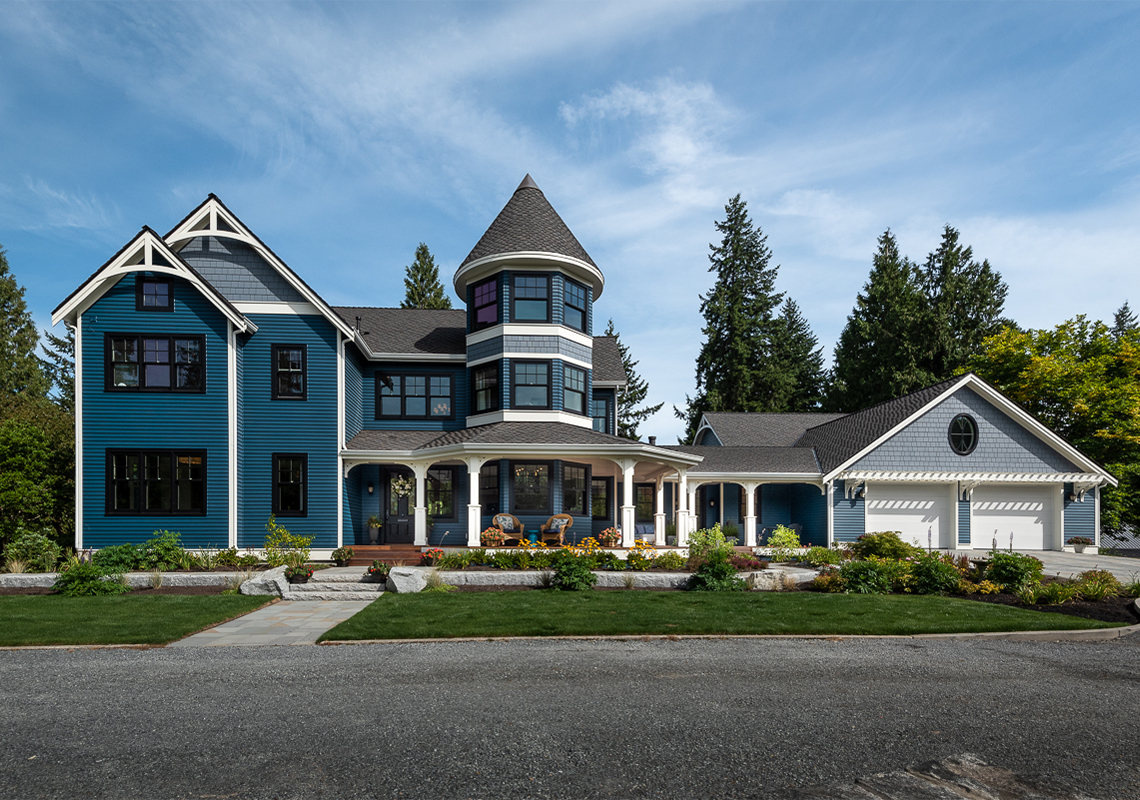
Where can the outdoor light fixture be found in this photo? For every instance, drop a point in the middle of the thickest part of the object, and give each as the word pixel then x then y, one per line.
pixel 370 488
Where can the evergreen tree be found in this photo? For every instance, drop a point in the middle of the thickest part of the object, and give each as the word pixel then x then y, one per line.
pixel 736 370
pixel 798 353
pixel 20 370
pixel 629 416
pixel 59 366
pixel 878 353
pixel 422 288
pixel 1124 322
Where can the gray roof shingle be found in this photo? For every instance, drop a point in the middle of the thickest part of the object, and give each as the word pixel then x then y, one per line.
pixel 499 433
pixel 769 430
pixel 775 460
pixel 607 364
pixel 410 330
pixel 528 223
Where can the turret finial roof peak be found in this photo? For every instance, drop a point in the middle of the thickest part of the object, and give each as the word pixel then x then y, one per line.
pixel 528 183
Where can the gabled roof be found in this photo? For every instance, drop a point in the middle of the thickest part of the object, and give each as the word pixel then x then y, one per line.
pixel 146 252
pixel 528 223
pixel 409 331
pixel 755 460
pixel 762 429
pixel 607 366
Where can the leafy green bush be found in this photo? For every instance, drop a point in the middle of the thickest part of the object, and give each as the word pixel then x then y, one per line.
pixel 248 560
pixel 86 579
pixel 37 552
pixel 639 560
pixel 784 542
pixel 1056 593
pixel 1097 584
pixel 1012 571
pixel 703 544
pixel 935 574
pixel 228 557
pixel 572 573
pixel 829 580
pixel 671 560
pixel 164 551
pixel 819 556
pixel 1132 588
pixel 886 544
pixel 119 558
pixel 731 533
pixel 282 547
pixel 868 577
pixel 716 574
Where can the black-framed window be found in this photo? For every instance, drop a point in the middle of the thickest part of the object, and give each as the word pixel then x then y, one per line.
pixel 291 484
pixel 530 384
pixel 574 312
pixel 601 490
pixel 402 396
pixel 575 489
pixel 574 389
pixel 530 487
pixel 530 298
pixel 643 502
pixel 485 304
pixel 963 434
pixel 439 486
pixel 485 388
pixel 489 488
pixel 154 294
pixel 156 482
pixel 600 411
pixel 151 363
pixel 290 380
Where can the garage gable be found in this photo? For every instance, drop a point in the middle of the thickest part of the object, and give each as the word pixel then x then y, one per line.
pixel 1004 445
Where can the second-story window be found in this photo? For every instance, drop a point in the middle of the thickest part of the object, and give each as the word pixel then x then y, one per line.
pixel 485 388
pixel 574 313
pixel 574 392
pixel 153 294
pixel 530 384
pixel 413 396
pixel 142 363
pixel 600 411
pixel 486 303
pixel 530 298
pixel 289 379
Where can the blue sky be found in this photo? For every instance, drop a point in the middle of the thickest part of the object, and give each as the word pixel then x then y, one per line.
pixel 344 134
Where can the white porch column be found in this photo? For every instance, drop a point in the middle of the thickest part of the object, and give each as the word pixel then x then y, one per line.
pixel 683 507
pixel 750 514
pixel 421 509
pixel 659 513
pixel 628 509
pixel 474 508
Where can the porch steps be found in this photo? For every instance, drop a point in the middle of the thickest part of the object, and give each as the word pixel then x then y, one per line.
pixel 398 555
pixel 335 586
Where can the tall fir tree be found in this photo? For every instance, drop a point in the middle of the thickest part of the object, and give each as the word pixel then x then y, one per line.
pixel 798 353
pixel 422 288
pixel 629 415
pixel 59 366
pixel 736 370
pixel 879 353
pixel 20 371
pixel 1124 322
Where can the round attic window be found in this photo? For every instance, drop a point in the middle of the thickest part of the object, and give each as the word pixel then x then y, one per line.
pixel 963 434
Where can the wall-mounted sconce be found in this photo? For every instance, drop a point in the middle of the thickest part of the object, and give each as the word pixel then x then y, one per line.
pixel 370 488
pixel 861 492
pixel 711 503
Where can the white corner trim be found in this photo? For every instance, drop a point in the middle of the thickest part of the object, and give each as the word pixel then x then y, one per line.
pixel 541 415
pixel 231 408
pixel 79 432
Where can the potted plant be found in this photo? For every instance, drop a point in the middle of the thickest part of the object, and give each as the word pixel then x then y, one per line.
pixel 378 572
pixel 298 573
pixel 431 557
pixel 1079 543
pixel 374 525
pixel 342 555
pixel 610 537
pixel 492 537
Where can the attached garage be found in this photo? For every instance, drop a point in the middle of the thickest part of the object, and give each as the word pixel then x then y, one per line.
pixel 914 510
pixel 1025 511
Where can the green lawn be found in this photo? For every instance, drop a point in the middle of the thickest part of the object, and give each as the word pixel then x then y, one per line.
pixel 123 619
pixel 552 613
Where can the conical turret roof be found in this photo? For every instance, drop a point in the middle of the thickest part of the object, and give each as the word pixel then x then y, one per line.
pixel 528 223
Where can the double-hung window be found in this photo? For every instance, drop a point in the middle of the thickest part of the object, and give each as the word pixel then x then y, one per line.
pixel 290 484
pixel 530 298
pixel 643 502
pixel 574 390
pixel 289 378
pixel 156 482
pixel 530 489
pixel 575 481
pixel 485 388
pixel 413 396
pixel 485 303
pixel 489 488
pixel 600 498
pixel 530 384
pixel 574 310
pixel 600 412
pixel 153 294
pixel 440 489
pixel 140 362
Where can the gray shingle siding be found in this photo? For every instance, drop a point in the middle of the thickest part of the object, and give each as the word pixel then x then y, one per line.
pixel 539 345
pixel 1003 445
pixel 237 271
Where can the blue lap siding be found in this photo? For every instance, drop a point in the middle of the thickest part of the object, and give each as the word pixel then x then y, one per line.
pixel 154 420
pixel 1080 516
pixel 848 520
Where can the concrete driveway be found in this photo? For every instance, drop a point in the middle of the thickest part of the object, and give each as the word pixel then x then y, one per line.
pixel 1072 564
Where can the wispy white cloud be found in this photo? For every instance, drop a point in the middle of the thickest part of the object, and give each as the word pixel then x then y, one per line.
pixel 37 206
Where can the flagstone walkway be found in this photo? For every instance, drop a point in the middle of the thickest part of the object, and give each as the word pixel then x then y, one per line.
pixel 277 624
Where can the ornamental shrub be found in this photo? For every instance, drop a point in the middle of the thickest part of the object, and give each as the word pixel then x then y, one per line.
pixel 716 574
pixel 933 574
pixel 1097 584
pixel 829 580
pixel 671 560
pixel 867 577
pixel 784 542
pixel 119 558
pixel 282 547
pixel 87 579
pixel 163 551
pixel 886 544
pixel 1012 571
pixel 819 556
pixel 572 573
pixel 37 552
pixel 703 544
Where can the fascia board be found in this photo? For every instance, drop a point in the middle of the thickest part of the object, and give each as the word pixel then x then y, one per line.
pixel 814 478
pixel 536 260
pixel 608 384
pixel 506 450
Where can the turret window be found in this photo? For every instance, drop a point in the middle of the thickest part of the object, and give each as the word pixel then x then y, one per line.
pixel 574 393
pixel 486 303
pixel 530 384
pixel 485 388
pixel 530 298
pixel 574 315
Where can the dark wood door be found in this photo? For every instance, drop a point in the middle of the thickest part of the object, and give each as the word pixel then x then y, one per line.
pixel 399 521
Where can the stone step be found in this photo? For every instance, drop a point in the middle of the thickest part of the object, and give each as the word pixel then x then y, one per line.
pixel 343 586
pixel 338 575
pixel 339 596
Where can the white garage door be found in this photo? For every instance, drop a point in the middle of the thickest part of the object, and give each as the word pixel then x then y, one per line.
pixel 912 509
pixel 1024 511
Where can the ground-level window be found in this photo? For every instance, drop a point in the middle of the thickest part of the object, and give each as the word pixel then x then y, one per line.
pixel 156 482
pixel 530 487
pixel 289 381
pixel 600 498
pixel 485 388
pixel 489 488
pixel 140 362
pixel 574 483
pixel 600 411
pixel 440 490
pixel 290 484
pixel 413 396
pixel 643 502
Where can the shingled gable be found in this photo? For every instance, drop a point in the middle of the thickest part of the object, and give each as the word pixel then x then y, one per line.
pixel 409 331
pixel 146 252
pixel 528 223
pixel 607 364
pixel 734 428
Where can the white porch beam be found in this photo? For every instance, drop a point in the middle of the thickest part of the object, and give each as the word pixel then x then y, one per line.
pixel 421 534
pixel 474 508
pixel 659 513
pixel 750 514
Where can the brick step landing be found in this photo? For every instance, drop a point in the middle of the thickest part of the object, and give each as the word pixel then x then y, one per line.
pixel 399 555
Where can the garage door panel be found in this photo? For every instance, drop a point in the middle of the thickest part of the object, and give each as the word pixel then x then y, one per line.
pixel 1024 512
pixel 914 510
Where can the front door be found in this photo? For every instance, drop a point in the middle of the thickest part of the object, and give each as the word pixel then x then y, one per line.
pixel 399 517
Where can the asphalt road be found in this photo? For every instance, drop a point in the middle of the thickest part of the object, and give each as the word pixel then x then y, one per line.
pixel 722 718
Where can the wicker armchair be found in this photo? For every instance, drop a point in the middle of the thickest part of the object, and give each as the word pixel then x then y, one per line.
pixel 511 527
pixel 553 529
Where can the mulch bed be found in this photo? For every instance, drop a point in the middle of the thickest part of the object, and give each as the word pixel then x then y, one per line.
pixel 1111 609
